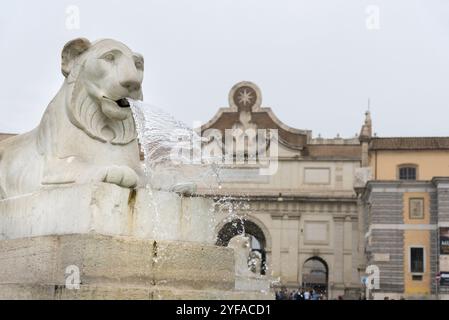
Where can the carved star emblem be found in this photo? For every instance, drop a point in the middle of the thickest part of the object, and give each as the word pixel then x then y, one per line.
pixel 245 97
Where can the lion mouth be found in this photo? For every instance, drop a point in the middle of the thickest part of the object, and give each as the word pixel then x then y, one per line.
pixel 122 103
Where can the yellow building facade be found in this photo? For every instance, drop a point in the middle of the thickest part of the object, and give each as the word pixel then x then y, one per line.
pixel 404 209
pixel 385 164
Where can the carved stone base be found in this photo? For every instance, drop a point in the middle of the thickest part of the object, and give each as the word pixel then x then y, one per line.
pixel 112 267
pixel 105 208
pixel 48 292
pixel 251 283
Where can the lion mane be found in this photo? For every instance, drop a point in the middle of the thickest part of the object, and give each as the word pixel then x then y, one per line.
pixel 86 114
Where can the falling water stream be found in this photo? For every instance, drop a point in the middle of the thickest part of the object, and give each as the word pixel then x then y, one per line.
pixel 171 144
pixel 172 151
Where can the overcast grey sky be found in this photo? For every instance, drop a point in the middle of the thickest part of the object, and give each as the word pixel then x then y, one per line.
pixel 315 61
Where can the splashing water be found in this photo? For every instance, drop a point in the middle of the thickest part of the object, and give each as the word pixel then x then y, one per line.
pixel 170 146
pixel 172 156
pixel 172 159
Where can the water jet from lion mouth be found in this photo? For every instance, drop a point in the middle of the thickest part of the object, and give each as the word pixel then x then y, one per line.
pixel 122 103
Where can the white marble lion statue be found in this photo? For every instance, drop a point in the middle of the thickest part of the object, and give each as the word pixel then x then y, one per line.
pixel 87 133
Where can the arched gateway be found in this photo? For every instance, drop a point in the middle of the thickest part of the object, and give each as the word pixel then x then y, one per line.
pixel 315 274
pixel 249 229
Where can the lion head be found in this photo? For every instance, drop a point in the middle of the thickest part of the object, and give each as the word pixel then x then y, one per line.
pixel 99 77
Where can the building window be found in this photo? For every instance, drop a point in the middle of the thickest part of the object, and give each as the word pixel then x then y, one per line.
pixel 416 260
pixel 416 208
pixel 407 172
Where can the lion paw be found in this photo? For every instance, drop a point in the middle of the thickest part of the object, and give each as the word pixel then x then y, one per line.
pixel 121 176
pixel 186 188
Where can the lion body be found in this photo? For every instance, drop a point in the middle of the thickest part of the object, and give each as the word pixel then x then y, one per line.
pixel 74 143
pixel 16 176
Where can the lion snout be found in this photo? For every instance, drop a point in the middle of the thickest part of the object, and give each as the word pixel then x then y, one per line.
pixel 131 85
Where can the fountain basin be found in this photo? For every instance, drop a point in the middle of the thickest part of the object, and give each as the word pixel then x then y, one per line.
pixel 107 209
pixel 108 234
pixel 113 267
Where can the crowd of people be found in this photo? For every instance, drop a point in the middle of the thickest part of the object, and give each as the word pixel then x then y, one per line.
pixel 311 294
pixel 301 294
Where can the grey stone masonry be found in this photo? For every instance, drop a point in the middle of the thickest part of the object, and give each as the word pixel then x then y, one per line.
pixel 442 185
pixel 434 257
pixel 386 208
pixel 383 209
pixel 442 200
pixel 391 272
pixel 433 207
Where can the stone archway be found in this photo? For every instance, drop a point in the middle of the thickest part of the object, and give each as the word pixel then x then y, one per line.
pixel 248 228
pixel 315 274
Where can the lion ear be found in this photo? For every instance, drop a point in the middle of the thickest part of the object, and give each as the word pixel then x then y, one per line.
pixel 70 52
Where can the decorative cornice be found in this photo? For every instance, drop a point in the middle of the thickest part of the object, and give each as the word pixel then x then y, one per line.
pixel 286 215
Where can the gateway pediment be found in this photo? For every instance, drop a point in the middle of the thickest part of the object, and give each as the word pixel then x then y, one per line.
pixel 246 114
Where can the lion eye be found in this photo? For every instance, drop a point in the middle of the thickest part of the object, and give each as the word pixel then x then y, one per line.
pixel 109 57
pixel 139 65
pixel 138 62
